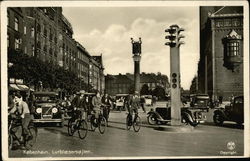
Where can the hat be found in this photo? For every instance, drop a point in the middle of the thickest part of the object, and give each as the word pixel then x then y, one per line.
pixel 82 92
pixel 136 93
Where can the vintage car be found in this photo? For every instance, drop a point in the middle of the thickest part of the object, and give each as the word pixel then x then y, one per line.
pixel 120 101
pixel 232 112
pixel 47 108
pixel 199 101
pixel 193 115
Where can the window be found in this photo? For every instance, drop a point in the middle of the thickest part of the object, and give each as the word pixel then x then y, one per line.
pixel 25 50
pixel 232 48
pixel 16 24
pixel 24 30
pixel 32 32
pixel 33 50
pixel 18 43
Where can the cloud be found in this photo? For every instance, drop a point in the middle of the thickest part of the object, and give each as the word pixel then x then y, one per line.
pixel 114 43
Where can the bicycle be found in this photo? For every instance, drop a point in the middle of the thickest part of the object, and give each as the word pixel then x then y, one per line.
pixel 15 124
pixel 76 123
pixel 136 122
pixel 101 122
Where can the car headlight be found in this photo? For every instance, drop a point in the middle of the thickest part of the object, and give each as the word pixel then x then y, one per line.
pixel 54 110
pixel 39 110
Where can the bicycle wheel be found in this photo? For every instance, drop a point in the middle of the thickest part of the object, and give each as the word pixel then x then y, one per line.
pixel 33 136
pixel 128 122
pixel 82 129
pixel 10 141
pixel 92 126
pixel 137 124
pixel 102 124
pixel 70 127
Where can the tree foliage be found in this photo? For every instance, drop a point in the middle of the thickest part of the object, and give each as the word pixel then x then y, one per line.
pixel 194 85
pixel 32 70
pixel 144 90
pixel 159 92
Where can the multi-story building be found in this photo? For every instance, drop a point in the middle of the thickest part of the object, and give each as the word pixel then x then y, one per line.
pixel 96 76
pixel 122 84
pixel 83 58
pixel 220 71
pixel 118 84
pixel 16 29
pixel 44 32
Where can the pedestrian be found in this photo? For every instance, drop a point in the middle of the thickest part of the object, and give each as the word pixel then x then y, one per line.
pixel 232 98
pixel 220 99
pixel 31 101
pixel 142 103
pixel 107 103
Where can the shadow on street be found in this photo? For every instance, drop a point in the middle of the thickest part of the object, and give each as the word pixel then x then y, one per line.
pixel 227 125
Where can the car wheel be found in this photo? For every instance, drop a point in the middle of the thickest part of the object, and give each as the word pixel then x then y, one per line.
pixel 151 119
pixel 218 120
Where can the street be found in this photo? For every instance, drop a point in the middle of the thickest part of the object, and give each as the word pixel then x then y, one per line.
pixel 205 140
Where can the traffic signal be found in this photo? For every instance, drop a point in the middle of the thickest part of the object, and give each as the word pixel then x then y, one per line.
pixel 175 36
pixel 174 80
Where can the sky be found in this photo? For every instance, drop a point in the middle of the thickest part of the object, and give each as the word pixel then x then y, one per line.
pixel 107 31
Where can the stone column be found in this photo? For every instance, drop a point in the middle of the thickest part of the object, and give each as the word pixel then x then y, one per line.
pixel 137 59
pixel 175 86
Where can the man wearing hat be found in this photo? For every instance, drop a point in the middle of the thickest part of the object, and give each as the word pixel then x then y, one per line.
pixel 22 109
pixel 134 104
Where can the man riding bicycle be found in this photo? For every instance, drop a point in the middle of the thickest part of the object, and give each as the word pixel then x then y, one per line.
pixel 78 106
pixel 21 110
pixel 134 103
pixel 97 102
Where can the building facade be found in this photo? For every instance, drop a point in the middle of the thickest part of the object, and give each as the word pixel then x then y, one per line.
pixel 220 71
pixel 83 58
pixel 124 83
pixel 96 73
pixel 45 33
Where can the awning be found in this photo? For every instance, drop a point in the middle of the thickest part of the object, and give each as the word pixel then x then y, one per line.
pixel 14 87
pixel 23 87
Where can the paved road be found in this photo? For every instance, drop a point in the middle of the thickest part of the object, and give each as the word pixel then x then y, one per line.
pixel 204 140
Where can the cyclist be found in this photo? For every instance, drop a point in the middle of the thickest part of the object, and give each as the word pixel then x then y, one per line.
pixel 97 102
pixel 134 103
pixel 75 105
pixel 22 111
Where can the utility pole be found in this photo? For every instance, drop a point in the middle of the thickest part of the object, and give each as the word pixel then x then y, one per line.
pixel 174 43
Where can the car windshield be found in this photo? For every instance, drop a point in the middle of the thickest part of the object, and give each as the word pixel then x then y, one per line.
pixel 42 99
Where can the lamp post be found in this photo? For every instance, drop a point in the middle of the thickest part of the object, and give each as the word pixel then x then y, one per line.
pixel 136 51
pixel 174 43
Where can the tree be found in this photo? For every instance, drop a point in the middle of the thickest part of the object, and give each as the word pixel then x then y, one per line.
pixel 32 70
pixel 159 92
pixel 144 90
pixel 193 86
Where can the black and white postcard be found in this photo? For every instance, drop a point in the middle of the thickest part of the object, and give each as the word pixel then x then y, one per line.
pixel 124 79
